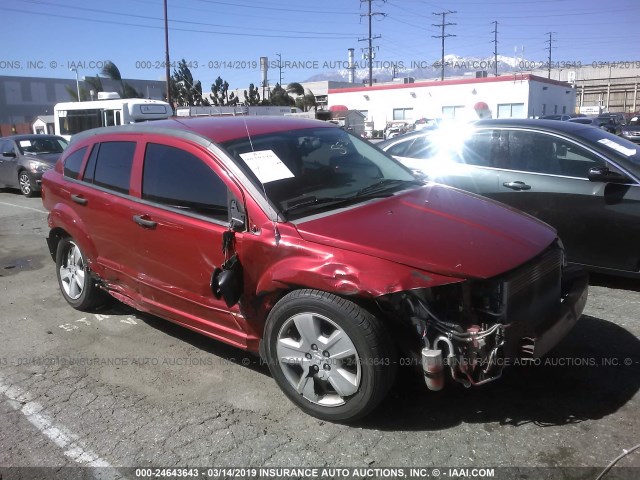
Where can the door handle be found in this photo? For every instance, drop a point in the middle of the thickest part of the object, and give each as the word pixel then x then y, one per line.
pixel 143 222
pixel 79 200
pixel 517 185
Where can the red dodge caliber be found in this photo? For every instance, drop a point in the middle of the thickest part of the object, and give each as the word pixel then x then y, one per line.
pixel 297 240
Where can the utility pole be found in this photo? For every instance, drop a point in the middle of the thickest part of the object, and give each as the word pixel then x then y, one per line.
pixel 495 47
pixel 443 36
pixel 167 70
pixel 550 41
pixel 369 55
pixel 280 67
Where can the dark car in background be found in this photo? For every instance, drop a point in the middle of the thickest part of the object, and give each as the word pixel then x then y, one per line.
pixel 631 131
pixel 618 118
pixel 583 181
pixel 298 240
pixel 24 158
pixel 605 123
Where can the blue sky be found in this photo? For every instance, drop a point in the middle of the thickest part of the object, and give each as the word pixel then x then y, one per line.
pixel 227 37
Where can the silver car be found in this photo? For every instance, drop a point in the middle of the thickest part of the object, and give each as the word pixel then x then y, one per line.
pixel 24 158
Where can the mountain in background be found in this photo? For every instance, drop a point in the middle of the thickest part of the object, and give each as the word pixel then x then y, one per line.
pixel 455 66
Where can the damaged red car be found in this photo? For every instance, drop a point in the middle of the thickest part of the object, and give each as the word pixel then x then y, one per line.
pixel 301 242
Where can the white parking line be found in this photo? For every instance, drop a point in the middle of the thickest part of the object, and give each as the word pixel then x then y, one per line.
pixel 21 206
pixel 58 434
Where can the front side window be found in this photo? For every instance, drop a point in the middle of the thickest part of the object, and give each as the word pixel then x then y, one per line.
pixel 111 168
pixel 178 179
pixel 528 151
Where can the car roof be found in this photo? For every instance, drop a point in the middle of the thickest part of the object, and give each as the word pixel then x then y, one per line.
pixel 27 136
pixel 568 127
pixel 215 129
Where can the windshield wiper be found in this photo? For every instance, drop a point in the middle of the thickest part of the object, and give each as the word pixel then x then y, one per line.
pixel 330 201
pixel 385 184
pixel 375 190
pixel 309 201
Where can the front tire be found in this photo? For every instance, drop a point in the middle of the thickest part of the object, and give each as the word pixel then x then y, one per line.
pixel 332 358
pixel 26 184
pixel 77 287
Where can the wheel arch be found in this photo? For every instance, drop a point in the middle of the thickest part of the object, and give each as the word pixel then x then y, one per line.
pixel 64 222
pixel 265 303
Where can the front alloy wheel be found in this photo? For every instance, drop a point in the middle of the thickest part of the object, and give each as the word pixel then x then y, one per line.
pixel 318 359
pixel 26 184
pixel 331 357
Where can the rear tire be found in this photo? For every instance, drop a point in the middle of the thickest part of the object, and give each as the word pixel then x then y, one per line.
pixel 332 358
pixel 77 287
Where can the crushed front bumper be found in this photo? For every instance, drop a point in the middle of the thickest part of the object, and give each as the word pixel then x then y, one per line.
pixel 575 288
pixel 537 323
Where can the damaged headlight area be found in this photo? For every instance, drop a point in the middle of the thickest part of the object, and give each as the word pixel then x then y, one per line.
pixel 473 328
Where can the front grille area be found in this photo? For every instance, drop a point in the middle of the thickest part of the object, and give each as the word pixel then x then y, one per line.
pixel 534 272
pixel 532 296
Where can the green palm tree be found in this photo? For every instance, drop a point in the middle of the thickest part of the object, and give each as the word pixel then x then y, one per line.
pixel 295 88
pixel 111 71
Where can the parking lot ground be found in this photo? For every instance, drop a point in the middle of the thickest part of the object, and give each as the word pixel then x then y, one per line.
pixel 124 389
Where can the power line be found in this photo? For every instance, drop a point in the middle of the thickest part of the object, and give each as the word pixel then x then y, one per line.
pixel 443 36
pixel 113 22
pixel 188 22
pixel 282 9
pixel 369 56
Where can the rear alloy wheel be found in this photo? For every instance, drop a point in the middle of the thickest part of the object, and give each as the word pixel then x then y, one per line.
pixel 331 357
pixel 76 284
pixel 26 184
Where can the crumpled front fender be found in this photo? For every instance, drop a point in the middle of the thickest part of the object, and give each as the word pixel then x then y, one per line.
pixel 303 264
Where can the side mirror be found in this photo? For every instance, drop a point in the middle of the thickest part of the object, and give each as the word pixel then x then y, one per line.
pixel 226 282
pixel 603 174
pixel 9 154
pixel 237 218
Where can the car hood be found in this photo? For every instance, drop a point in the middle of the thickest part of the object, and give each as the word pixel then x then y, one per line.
pixel 631 128
pixel 49 158
pixel 437 229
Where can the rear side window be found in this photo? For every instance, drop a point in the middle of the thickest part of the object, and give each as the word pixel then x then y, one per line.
pixel 110 165
pixel 73 163
pixel 181 180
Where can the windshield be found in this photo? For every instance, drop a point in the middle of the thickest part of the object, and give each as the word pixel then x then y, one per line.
pixel 38 145
pixel 319 168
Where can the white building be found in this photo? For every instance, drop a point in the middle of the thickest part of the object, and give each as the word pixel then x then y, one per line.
pixel 517 96
pixel 44 124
